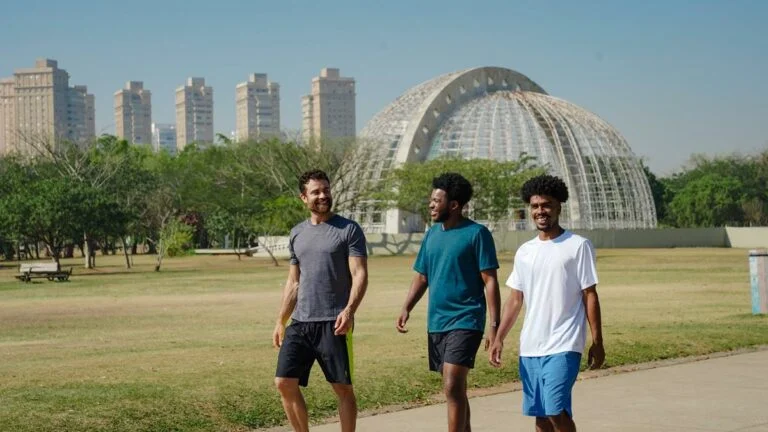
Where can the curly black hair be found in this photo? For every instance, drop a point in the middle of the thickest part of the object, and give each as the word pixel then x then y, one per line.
pixel 456 187
pixel 545 185
pixel 314 174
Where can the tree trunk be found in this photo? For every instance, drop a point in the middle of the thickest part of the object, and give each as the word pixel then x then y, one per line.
pixel 160 254
pixel 87 251
pixel 237 247
pixel 269 251
pixel 69 251
pixel 125 251
pixel 37 250
pixel 134 247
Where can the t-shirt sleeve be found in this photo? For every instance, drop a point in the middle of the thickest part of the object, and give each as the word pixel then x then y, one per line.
pixel 515 280
pixel 587 270
pixel 357 244
pixel 420 265
pixel 485 250
pixel 291 240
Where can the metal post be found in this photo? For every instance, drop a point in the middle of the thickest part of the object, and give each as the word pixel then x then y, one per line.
pixel 758 274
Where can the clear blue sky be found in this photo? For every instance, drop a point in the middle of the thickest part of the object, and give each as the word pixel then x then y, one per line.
pixel 675 77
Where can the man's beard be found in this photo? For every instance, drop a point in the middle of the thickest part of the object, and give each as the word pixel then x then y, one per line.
pixel 317 205
pixel 442 216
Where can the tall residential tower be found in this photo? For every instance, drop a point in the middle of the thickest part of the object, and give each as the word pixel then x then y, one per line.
pixel 257 104
pixel 329 111
pixel 133 113
pixel 194 113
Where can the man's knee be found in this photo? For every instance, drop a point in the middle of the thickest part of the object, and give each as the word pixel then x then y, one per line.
pixel 454 387
pixel 286 385
pixel 562 420
pixel 344 391
pixel 543 424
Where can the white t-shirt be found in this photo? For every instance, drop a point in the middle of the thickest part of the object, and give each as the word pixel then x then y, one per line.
pixel 552 274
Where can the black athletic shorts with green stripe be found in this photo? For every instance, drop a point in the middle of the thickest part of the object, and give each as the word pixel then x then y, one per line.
pixel 305 342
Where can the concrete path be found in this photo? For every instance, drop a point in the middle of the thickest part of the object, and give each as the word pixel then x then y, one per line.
pixel 720 394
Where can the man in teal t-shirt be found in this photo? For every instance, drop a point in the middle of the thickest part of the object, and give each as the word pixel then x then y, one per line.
pixel 457 262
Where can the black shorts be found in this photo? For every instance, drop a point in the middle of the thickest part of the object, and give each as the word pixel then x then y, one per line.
pixel 457 347
pixel 305 342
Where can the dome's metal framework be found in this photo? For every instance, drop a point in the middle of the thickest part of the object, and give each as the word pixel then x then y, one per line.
pixel 497 113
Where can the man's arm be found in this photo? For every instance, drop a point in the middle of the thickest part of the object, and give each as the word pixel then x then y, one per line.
pixel 596 355
pixel 493 298
pixel 509 316
pixel 358 267
pixel 417 290
pixel 288 304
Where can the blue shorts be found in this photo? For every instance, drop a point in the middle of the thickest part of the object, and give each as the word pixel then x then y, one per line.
pixel 547 383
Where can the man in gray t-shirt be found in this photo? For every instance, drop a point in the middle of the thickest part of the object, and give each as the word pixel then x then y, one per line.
pixel 322 253
pixel 327 280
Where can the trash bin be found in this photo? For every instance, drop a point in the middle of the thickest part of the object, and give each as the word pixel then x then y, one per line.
pixel 758 275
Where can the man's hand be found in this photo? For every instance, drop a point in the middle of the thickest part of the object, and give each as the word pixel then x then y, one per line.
pixel 494 354
pixel 596 356
pixel 401 320
pixel 277 335
pixel 490 338
pixel 344 322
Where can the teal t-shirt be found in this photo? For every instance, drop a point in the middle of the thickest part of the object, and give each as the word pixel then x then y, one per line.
pixel 452 261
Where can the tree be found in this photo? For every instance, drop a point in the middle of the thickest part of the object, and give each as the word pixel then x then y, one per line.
pixel 276 218
pixel 708 201
pixel 747 205
pixel 97 166
pixel 48 210
pixel 659 191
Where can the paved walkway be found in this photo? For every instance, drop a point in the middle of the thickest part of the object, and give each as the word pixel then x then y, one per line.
pixel 720 394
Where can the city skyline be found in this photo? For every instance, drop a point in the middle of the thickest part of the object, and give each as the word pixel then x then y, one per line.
pixel 655 70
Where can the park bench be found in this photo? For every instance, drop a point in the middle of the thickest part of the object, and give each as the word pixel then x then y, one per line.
pixel 50 271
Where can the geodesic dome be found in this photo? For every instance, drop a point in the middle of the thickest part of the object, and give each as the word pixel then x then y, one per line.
pixel 497 113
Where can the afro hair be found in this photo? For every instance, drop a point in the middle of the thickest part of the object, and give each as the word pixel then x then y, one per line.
pixel 456 187
pixel 545 185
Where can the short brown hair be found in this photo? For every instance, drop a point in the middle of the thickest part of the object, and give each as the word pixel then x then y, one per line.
pixel 314 174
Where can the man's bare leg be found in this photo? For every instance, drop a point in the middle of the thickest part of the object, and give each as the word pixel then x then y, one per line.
pixel 562 422
pixel 347 406
pixel 544 425
pixel 455 389
pixel 293 403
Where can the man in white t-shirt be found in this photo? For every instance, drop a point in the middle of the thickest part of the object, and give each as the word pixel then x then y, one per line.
pixel 555 276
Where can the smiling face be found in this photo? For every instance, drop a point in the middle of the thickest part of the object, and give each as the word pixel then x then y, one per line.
pixel 545 212
pixel 439 206
pixel 317 197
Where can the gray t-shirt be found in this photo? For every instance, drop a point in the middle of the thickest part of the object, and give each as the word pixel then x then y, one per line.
pixel 322 253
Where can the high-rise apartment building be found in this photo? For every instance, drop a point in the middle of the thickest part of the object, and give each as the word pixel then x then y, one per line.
pixel 164 137
pixel 133 113
pixel 257 106
pixel 81 114
pixel 329 111
pixel 37 105
pixel 194 113
pixel 7 114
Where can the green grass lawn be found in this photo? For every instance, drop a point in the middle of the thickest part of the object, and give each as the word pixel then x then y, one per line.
pixel 189 348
